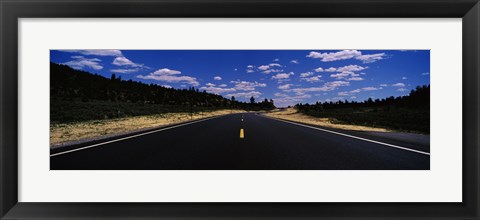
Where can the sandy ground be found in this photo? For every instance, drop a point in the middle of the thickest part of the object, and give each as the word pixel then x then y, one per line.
pixel 61 134
pixel 293 115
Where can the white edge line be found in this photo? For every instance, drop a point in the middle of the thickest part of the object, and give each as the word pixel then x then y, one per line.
pixel 351 136
pixel 133 136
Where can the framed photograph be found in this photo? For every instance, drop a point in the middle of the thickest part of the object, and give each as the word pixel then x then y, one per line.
pixel 226 109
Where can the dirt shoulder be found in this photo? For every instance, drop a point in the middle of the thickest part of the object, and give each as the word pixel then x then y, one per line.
pixel 292 115
pixel 73 133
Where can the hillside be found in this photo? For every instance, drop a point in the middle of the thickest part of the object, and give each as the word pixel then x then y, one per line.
pixel 81 96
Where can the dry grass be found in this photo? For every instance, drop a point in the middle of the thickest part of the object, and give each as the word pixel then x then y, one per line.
pixel 293 115
pixel 65 133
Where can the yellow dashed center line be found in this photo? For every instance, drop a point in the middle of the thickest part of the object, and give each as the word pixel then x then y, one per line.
pixel 242 135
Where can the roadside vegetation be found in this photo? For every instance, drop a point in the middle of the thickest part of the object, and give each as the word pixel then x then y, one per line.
pixel 65 133
pixel 409 113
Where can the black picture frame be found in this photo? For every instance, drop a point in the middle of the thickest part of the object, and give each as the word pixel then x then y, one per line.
pixel 12 10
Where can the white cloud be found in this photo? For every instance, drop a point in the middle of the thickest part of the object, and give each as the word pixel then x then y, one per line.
pixel 331 69
pixel 272 71
pixel 284 87
pixel 276 60
pixel 283 75
pixel 166 71
pixel 404 78
pixel 211 88
pixel 124 70
pixel 343 75
pixel 355 79
pixel 347 93
pixel 167 86
pixel 217 78
pixel 425 74
pixel 255 94
pixel 168 75
pixel 319 69
pixel 351 68
pixel 81 62
pixel 270 68
pixel 345 55
pixel 334 56
pixel 286 100
pixel 222 85
pixel 247 86
pixel 337 83
pixel 401 89
pixel 294 61
pixel 352 92
pixel 307 74
pixel 264 67
pixel 370 89
pixel 329 86
pixel 399 85
pixel 123 61
pixel 312 79
pixel 370 58
pixel 116 53
pixel 250 69
pixel 383 85
pixel 347 71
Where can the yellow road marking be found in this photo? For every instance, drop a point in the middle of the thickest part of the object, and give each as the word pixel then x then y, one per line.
pixel 242 135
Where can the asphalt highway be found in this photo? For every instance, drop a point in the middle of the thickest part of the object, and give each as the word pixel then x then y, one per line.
pixel 246 141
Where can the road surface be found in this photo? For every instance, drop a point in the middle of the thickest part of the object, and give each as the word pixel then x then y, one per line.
pixel 246 141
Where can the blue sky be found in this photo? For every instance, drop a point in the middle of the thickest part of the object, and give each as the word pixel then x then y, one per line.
pixel 286 76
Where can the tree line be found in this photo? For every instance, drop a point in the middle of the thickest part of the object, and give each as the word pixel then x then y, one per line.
pixel 405 113
pixel 419 98
pixel 67 84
